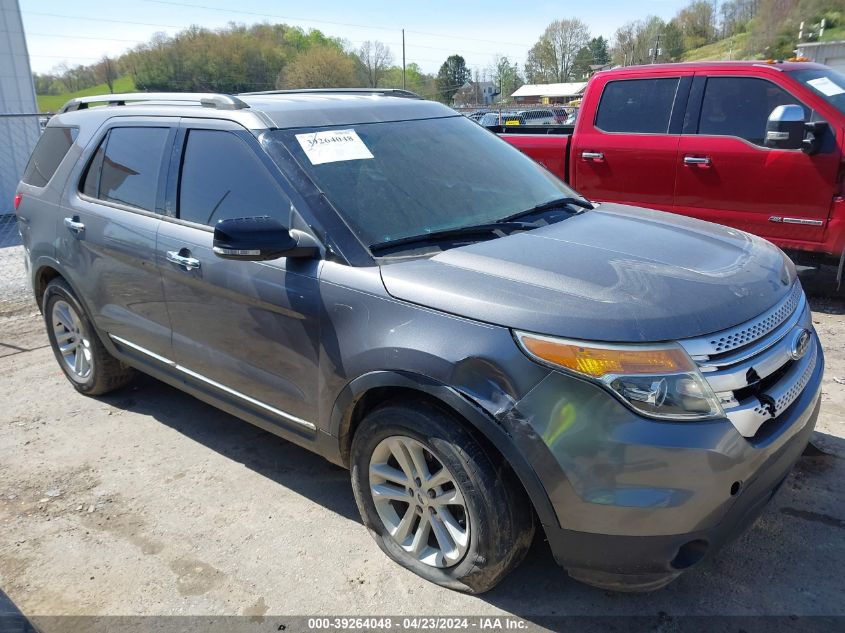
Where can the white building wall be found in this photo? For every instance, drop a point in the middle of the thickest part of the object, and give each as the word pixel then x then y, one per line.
pixel 18 134
pixel 829 53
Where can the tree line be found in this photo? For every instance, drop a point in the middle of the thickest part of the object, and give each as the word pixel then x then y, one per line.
pixel 242 58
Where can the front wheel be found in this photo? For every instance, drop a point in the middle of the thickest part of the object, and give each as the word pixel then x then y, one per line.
pixel 434 499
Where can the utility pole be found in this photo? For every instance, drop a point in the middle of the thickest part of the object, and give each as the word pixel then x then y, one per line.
pixel 656 50
pixel 715 19
pixel 403 59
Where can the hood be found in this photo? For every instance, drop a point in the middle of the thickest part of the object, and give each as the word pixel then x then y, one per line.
pixel 618 273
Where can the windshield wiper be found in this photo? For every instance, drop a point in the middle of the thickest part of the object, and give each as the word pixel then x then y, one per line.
pixel 436 237
pixel 557 203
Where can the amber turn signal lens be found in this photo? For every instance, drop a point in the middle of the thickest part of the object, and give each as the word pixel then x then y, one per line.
pixel 599 361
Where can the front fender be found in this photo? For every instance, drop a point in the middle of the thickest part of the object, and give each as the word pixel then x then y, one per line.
pixel 463 405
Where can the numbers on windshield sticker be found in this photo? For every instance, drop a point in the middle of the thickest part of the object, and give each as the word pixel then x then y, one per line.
pixel 333 146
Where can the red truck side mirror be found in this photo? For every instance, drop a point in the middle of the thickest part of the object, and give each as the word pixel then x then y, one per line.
pixel 788 129
pixel 785 127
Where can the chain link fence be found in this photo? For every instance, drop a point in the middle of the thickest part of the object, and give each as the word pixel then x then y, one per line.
pixel 15 293
pixel 513 114
pixel 19 133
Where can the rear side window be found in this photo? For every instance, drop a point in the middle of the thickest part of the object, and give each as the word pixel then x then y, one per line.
pixel 126 166
pixel 740 106
pixel 49 152
pixel 222 178
pixel 638 106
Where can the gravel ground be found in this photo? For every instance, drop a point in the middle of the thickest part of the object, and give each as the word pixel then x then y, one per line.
pixel 149 502
pixel 15 295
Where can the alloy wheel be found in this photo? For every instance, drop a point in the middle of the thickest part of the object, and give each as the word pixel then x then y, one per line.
pixel 419 501
pixel 73 345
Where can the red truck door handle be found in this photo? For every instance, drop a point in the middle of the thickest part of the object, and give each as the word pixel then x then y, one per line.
pixel 592 156
pixel 704 161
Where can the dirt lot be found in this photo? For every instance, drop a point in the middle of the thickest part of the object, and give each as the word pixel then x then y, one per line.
pixel 150 502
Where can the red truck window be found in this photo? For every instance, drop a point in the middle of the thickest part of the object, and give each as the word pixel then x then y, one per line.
pixel 637 106
pixel 740 106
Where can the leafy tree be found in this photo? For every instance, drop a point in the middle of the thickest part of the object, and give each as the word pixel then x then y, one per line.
pixel 319 66
pixel 452 75
pixel 697 22
pixel 505 76
pixel 581 65
pixel 106 71
pixel 551 59
pixel 599 50
pixel 375 59
pixel 416 80
pixel 635 41
pixel 672 42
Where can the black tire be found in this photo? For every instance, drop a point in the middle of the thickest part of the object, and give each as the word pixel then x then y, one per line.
pixel 500 515
pixel 106 372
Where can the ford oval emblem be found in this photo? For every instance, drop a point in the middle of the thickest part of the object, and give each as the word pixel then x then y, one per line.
pixel 800 343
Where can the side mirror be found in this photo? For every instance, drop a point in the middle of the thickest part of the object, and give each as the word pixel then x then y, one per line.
pixel 785 127
pixel 260 238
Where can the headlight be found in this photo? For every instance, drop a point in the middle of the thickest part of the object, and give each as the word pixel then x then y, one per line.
pixel 660 381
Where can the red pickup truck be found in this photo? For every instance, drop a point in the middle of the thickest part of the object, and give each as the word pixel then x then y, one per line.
pixel 753 145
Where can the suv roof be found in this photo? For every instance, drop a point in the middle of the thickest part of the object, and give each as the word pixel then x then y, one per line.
pixel 261 110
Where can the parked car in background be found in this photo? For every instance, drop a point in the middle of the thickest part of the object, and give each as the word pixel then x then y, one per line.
pixel 756 146
pixel 561 113
pixel 537 116
pixel 534 116
pixel 504 117
pixel 476 115
pixel 383 282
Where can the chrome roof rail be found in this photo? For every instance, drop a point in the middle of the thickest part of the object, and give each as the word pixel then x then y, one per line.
pixel 381 92
pixel 205 99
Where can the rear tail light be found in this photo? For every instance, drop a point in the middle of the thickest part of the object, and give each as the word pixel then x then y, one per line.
pixel 18 198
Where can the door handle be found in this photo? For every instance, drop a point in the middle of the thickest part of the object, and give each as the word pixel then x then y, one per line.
pixel 74 224
pixel 697 160
pixel 190 263
pixel 592 155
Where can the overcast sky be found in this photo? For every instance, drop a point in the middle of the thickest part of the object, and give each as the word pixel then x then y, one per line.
pixel 81 32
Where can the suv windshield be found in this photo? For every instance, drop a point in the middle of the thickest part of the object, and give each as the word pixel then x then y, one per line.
pixel 400 179
pixel 826 82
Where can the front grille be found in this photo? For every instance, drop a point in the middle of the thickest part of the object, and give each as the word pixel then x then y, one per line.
pixel 751 367
pixel 750 332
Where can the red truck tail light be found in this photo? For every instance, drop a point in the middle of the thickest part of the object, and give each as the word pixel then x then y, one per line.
pixel 18 198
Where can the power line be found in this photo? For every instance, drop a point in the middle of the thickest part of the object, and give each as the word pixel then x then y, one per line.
pixel 75 17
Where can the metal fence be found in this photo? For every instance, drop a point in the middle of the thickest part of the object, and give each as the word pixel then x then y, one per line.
pixel 19 133
pixel 15 293
pixel 520 114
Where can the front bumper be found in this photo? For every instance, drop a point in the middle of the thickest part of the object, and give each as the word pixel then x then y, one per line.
pixel 639 501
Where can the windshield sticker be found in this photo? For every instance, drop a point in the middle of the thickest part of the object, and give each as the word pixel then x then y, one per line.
pixel 825 86
pixel 333 146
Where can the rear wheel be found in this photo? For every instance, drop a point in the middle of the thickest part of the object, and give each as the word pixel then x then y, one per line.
pixel 76 345
pixel 434 499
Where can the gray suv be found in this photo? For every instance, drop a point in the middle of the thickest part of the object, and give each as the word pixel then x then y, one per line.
pixel 380 280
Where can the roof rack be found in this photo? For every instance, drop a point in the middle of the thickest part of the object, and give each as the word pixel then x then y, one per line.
pixel 205 99
pixel 382 92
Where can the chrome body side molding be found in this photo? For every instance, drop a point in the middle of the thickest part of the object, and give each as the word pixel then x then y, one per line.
pixel 214 383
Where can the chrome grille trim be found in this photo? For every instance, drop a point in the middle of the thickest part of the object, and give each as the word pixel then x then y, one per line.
pixel 748 332
pixel 760 346
pixel 741 357
pixel 751 414
pixel 772 355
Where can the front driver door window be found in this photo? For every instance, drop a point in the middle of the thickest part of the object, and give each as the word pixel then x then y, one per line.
pixel 248 327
